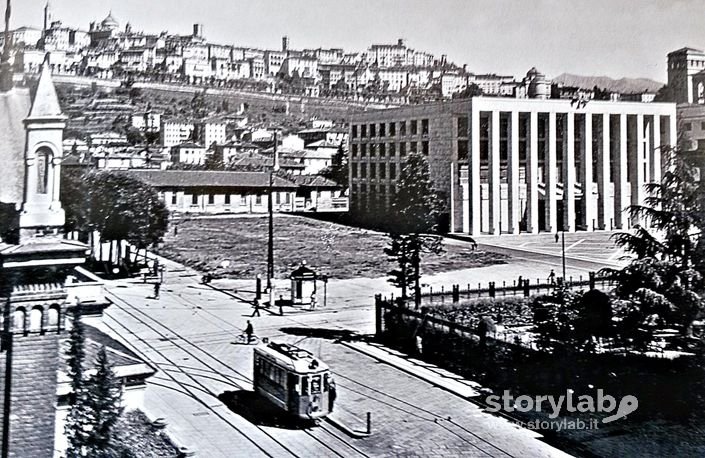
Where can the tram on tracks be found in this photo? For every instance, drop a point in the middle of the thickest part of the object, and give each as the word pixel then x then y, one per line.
pixel 294 380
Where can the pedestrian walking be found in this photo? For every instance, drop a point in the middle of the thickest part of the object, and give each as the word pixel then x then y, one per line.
pixel 332 394
pixel 249 331
pixel 520 283
pixel 552 277
pixel 281 305
pixel 157 286
pixel 257 306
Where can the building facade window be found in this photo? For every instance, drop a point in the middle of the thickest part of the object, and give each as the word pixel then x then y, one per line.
pixel 211 199
pixel 173 198
pixel 363 131
pixel 412 147
pixel 392 129
pixel 424 127
pixel 258 199
pixel 354 170
pixel 414 127
pixel 363 170
pixel 392 149
pixel 373 171
pixel 382 150
pixel 227 199
pixel 363 150
pixel 354 150
pixel 424 147
pixel 354 131
pixel 402 128
pixel 194 199
pixel 382 130
pixel 392 171
pixel 243 199
pixel 373 133
pixel 463 126
pixel 382 171
pixel 402 149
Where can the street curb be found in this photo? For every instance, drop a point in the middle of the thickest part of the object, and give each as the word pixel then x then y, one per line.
pixel 346 429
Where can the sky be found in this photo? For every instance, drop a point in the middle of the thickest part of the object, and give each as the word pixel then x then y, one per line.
pixel 615 38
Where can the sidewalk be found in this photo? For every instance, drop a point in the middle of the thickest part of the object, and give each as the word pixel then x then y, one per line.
pixel 428 372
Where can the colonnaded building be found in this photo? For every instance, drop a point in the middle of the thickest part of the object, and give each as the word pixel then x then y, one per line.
pixel 515 165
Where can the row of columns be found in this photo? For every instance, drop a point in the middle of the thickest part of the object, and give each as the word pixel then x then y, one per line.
pixel 633 139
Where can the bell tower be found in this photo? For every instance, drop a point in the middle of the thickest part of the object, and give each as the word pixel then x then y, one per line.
pixel 41 206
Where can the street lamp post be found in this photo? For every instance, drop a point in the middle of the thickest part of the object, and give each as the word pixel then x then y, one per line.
pixel 270 239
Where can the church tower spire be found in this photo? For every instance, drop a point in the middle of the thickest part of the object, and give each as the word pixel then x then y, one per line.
pixel 41 206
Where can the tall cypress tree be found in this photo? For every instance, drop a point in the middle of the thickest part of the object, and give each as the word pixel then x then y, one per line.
pixel 77 418
pixel 104 399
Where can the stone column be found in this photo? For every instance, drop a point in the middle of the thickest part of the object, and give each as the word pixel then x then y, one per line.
pixel 587 204
pixel 475 186
pixel 463 180
pixel 532 176
pixel 569 173
pixel 551 178
pixel 620 176
pixel 655 159
pixel 603 175
pixel 636 163
pixel 513 174
pixel 494 179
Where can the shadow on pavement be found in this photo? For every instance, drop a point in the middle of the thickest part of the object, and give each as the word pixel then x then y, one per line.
pixel 257 410
pixel 322 333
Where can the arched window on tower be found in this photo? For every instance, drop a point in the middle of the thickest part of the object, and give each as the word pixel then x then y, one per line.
pixel 35 319
pixel 53 318
pixel 18 320
pixel 701 93
pixel 43 168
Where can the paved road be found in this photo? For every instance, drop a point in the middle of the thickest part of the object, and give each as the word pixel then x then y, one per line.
pixel 189 333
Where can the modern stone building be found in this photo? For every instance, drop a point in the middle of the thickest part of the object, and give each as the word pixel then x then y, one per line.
pixel 506 165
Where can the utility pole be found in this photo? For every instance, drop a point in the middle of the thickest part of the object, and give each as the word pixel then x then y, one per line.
pixel 270 240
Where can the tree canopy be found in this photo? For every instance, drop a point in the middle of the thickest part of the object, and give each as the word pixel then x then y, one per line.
pixel 417 208
pixel 117 205
pixel 665 281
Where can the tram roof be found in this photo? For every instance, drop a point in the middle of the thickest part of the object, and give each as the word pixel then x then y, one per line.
pixel 294 358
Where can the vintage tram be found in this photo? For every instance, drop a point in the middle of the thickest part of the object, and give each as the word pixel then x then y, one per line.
pixel 294 380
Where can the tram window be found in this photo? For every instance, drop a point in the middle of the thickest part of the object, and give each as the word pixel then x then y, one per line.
pixel 304 385
pixel 316 384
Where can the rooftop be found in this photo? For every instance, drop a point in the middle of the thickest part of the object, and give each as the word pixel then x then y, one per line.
pixel 208 179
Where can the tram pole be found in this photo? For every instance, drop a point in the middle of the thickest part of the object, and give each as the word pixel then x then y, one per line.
pixel 270 238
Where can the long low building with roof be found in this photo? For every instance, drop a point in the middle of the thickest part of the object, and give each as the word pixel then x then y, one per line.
pixel 206 191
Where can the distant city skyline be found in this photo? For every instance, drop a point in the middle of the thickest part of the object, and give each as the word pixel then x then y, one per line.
pixel 621 38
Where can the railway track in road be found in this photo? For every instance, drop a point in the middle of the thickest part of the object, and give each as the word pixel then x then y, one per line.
pixel 220 368
pixel 479 443
pixel 344 448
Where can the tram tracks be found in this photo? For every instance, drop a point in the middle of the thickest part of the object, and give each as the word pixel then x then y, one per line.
pixel 196 385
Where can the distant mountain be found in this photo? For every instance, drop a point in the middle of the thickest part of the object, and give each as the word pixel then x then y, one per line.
pixel 623 85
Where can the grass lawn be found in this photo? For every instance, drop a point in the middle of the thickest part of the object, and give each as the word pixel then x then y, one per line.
pixel 332 249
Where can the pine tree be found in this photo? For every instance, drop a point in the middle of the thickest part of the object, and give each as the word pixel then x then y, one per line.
pixel 104 401
pixel 416 208
pixel 77 418
pixel 666 279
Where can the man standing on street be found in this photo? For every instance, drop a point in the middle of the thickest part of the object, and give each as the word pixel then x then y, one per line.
pixel 249 331
pixel 256 312
pixel 157 285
